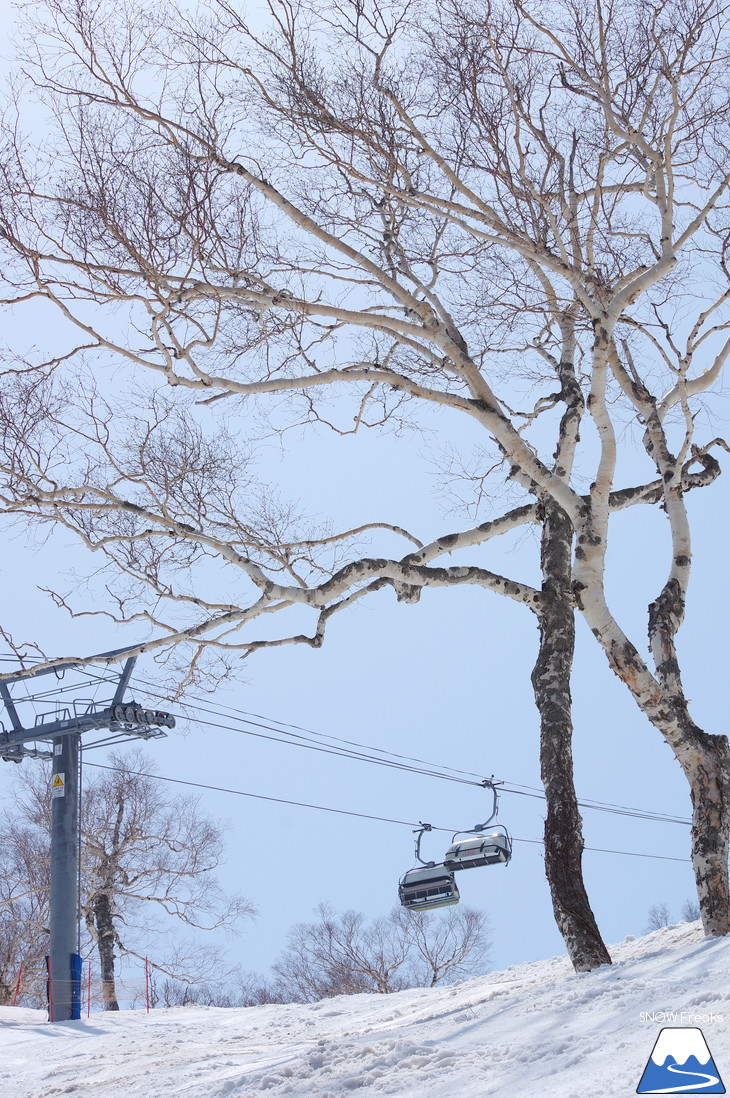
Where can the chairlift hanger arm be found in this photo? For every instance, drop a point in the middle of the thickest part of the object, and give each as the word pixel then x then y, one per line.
pixel 419 833
pixel 488 783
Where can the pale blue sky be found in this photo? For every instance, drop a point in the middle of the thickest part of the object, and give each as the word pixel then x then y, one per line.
pixel 446 680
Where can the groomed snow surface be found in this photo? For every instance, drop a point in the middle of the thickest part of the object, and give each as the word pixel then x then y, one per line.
pixel 536 1030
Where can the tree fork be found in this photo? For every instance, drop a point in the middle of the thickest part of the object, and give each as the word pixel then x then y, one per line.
pixel 551 684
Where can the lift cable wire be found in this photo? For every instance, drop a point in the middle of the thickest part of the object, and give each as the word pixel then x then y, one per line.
pixel 360 757
pixel 435 770
pixel 309 737
pixel 303 737
pixel 363 815
pixel 243 715
pixel 239 714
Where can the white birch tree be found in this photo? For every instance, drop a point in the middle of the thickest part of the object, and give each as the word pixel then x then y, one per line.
pixel 411 207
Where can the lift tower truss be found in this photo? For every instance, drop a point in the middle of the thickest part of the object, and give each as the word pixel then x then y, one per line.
pixel 55 734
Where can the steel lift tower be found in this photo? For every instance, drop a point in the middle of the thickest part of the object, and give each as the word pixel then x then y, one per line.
pixel 55 734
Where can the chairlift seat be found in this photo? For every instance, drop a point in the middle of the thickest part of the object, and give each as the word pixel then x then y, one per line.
pixel 472 851
pixel 428 888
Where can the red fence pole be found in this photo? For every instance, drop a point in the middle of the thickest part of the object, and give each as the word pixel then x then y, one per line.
pixel 147 982
pixel 17 986
pixel 88 990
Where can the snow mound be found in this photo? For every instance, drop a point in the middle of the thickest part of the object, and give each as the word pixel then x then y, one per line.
pixel 536 1029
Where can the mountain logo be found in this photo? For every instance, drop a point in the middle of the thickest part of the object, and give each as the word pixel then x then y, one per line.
pixel 680 1063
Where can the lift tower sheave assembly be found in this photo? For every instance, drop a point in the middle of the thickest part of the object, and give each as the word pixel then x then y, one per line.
pixel 56 734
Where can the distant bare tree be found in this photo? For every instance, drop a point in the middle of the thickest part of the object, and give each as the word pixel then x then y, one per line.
pixel 254 989
pixel 690 911
pixel 24 885
pixel 172 993
pixel 495 219
pixel 240 989
pixel 452 947
pixel 658 917
pixel 144 856
pixel 342 954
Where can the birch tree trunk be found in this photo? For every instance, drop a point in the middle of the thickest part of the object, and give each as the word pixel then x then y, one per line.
pixel 704 758
pixel 706 764
pixel 551 683
pixel 105 938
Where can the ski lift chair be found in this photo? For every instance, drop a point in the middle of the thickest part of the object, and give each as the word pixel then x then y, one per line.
pixel 427 888
pixel 473 850
pixel 428 885
pixel 477 847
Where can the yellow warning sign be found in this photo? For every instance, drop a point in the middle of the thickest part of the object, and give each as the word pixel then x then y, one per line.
pixel 58 786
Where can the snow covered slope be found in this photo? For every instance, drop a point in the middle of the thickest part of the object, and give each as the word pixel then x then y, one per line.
pixel 534 1031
